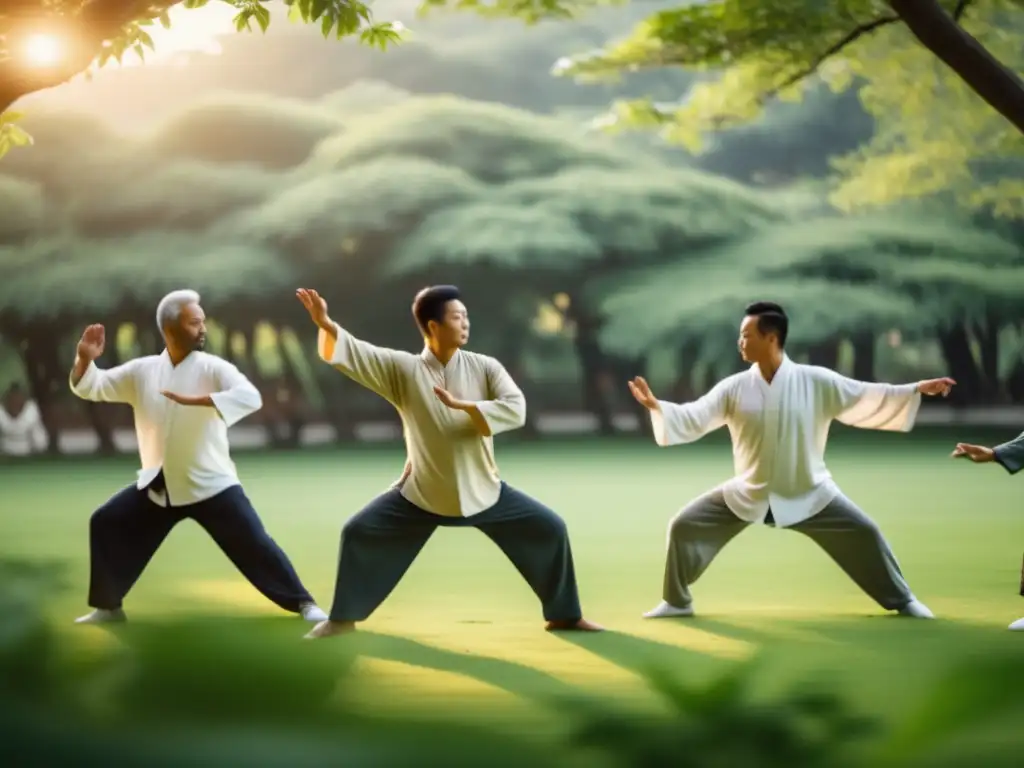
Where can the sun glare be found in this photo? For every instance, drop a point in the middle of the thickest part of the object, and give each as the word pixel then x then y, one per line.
pixel 43 50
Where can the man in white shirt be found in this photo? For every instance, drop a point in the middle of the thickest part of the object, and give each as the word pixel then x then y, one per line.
pixel 451 402
pixel 184 401
pixel 778 413
pixel 22 432
pixel 1008 455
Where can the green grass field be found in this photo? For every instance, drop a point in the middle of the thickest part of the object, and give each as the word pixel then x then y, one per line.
pixel 462 625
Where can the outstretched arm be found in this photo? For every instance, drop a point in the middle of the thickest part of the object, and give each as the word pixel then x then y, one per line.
pixel 870 405
pixel 373 367
pixel 1009 455
pixel 679 423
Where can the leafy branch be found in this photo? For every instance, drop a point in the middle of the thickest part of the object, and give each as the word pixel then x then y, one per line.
pixel 98 31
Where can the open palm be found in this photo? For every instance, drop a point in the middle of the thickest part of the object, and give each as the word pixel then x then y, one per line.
pixel 315 304
pixel 640 389
pixel 93 342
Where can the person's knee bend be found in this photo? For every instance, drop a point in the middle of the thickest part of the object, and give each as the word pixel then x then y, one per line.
pixel 354 528
pixel 680 529
pixel 101 520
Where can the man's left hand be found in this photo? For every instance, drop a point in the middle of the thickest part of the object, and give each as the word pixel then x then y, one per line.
pixel 450 400
pixel 183 399
pixel 936 386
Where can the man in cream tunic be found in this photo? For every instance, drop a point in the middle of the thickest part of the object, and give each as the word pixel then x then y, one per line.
pixel 1008 455
pixel 778 413
pixel 184 401
pixel 451 402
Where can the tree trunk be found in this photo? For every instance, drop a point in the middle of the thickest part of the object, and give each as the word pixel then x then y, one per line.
pixel 956 348
pixel 864 356
pixel 988 343
pixel 686 388
pixel 825 354
pixel 937 31
pixel 593 367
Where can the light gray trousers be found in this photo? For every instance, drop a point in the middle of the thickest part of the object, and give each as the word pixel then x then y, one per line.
pixel 851 538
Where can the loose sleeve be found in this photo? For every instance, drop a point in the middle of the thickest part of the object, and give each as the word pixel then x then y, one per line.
pixel 236 397
pixel 505 409
pixel 867 405
pixel 679 423
pixel 114 385
pixel 1011 454
pixel 376 368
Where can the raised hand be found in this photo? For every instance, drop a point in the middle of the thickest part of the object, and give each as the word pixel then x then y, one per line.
pixel 936 386
pixel 642 392
pixel 316 305
pixel 92 343
pixel 979 454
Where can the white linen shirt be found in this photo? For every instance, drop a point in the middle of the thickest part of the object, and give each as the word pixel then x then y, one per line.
pixel 454 473
pixel 779 431
pixel 25 433
pixel 188 442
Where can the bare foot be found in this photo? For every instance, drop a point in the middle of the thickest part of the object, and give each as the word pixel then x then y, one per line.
pixel 573 626
pixel 329 628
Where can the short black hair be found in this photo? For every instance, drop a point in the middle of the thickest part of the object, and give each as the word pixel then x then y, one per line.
pixel 430 303
pixel 771 318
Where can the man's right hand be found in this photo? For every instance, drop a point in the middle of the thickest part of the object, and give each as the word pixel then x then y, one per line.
pixel 642 392
pixel 92 343
pixel 979 454
pixel 316 305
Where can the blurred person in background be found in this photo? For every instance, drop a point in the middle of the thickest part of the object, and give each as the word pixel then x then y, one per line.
pixel 22 432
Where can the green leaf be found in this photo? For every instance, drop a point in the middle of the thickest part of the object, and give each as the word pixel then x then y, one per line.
pixel 242 20
pixel 316 9
pixel 262 14
pixel 165 20
pixel 195 3
pixel 325 25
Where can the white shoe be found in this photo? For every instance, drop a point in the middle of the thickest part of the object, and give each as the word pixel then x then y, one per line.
pixel 312 612
pixel 917 610
pixel 1018 625
pixel 665 611
pixel 328 628
pixel 102 616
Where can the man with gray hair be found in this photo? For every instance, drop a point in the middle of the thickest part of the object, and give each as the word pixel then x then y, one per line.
pixel 184 401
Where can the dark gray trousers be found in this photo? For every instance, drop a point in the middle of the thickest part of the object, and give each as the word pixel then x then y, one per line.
pixel 381 541
pixel 851 538
pixel 127 530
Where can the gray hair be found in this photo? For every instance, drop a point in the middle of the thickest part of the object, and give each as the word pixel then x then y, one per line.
pixel 170 306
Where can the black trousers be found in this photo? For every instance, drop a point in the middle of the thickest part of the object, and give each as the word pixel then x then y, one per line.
pixel 381 541
pixel 126 532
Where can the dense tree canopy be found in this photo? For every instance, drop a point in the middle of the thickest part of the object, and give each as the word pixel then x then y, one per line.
pixel 941 77
pixel 842 278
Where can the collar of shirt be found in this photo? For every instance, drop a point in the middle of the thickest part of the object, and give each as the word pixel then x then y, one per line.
pixel 780 372
pixel 433 363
